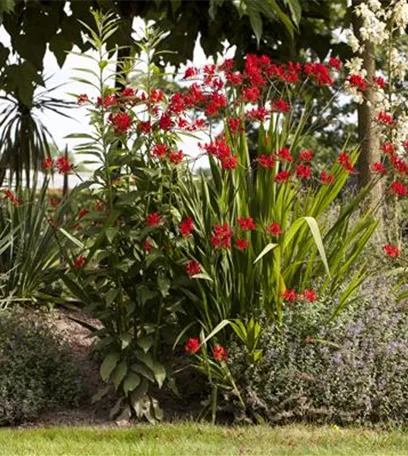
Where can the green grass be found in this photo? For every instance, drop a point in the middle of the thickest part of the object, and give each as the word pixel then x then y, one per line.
pixel 198 440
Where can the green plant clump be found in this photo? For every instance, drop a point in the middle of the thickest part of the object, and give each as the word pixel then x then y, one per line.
pixel 37 370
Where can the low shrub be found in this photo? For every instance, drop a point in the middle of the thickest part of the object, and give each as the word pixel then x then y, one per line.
pixel 37 370
pixel 352 371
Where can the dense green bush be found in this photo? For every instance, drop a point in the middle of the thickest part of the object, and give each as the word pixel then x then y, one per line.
pixel 353 372
pixel 37 370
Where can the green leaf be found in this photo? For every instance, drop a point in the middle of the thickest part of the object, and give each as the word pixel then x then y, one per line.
pixel 159 373
pixel 126 340
pixel 265 250
pixel 256 24
pixel 143 370
pixel 119 374
pixel 73 239
pixel 108 364
pixel 164 285
pixel 145 343
pixel 131 382
pixel 111 233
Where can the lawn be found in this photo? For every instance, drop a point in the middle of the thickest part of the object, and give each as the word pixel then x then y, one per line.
pixel 191 439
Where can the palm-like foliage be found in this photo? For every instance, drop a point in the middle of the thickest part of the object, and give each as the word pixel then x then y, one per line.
pixel 24 139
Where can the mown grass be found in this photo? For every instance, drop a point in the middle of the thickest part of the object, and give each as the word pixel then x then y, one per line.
pixel 197 440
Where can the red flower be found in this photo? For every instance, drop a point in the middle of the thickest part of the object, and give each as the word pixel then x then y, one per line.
pixel 320 72
pixel 284 154
pixel 398 189
pixel 219 353
pixel 159 150
pixel 388 148
pixel 192 345
pixel 378 168
pixel 379 81
pixel 306 155
pixel 128 92
pixel 241 244
pixel 392 250
pixel 156 96
pixel 82 213
pixel 235 125
pixel 385 118
pixel 48 163
pixel 266 161
pixel 54 202
pixel 109 100
pixel 289 295
pixel 405 144
pixel 274 229
pixel 190 72
pixel 82 99
pixel 258 113
pixel 282 177
pixel 399 165
pixel 358 81
pixel 246 223
pixel 229 163
pixel 186 226
pixel 144 126
pixel 250 95
pixel 221 237
pixel 13 199
pixel 303 172
pixel 217 102
pixel 218 148
pixel 335 63
pixel 165 122
pixel 280 106
pixel 147 246
pixel 345 162
pixel 63 165
pixel 177 104
pixel 121 122
pixel 326 178
pixel 176 157
pixel 235 79
pixel 153 219
pixel 193 267
pixel 100 206
pixel 79 262
pixel 309 295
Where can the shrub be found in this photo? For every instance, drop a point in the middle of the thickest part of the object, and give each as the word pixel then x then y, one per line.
pixel 37 370
pixel 358 376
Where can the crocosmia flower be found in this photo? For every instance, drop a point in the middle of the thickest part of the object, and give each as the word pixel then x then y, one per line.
pixel 221 238
pixel 192 345
pixel 274 229
pixel 246 223
pixel 289 295
pixel 153 219
pixel 193 267
pixel 219 353
pixel 392 250
pixel 186 226
pixel 79 262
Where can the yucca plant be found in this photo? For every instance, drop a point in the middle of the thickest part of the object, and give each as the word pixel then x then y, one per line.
pixel 30 251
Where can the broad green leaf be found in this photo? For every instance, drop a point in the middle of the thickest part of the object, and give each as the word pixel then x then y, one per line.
pixel 145 343
pixel 131 382
pixel 119 374
pixel 159 373
pixel 265 250
pixel 108 364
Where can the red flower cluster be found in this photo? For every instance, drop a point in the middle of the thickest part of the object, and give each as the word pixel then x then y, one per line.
pixel 159 150
pixel 326 178
pixel 13 198
pixel 319 72
pixel 193 267
pixel 147 246
pixel 153 219
pixel 82 213
pixel 79 262
pixel 358 81
pixel 246 223
pixel 266 161
pixel 303 171
pixel 222 151
pixel 192 345
pixel 48 163
pixel 379 82
pixel 63 165
pixel 219 353
pixel 388 148
pixel 121 122
pixel 176 157
pixel 282 177
pixel 385 118
pixel 345 162
pixel 82 99
pixel 284 154
pixel 241 244
pixel 221 237
pixel 274 229
pixel 398 189
pixel 335 63
pixel 280 106
pixel 392 250
pixel 378 168
pixel 306 155
pixel 186 226
pixel 308 295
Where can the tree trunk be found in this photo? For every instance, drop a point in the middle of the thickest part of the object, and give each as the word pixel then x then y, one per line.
pixel 367 130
